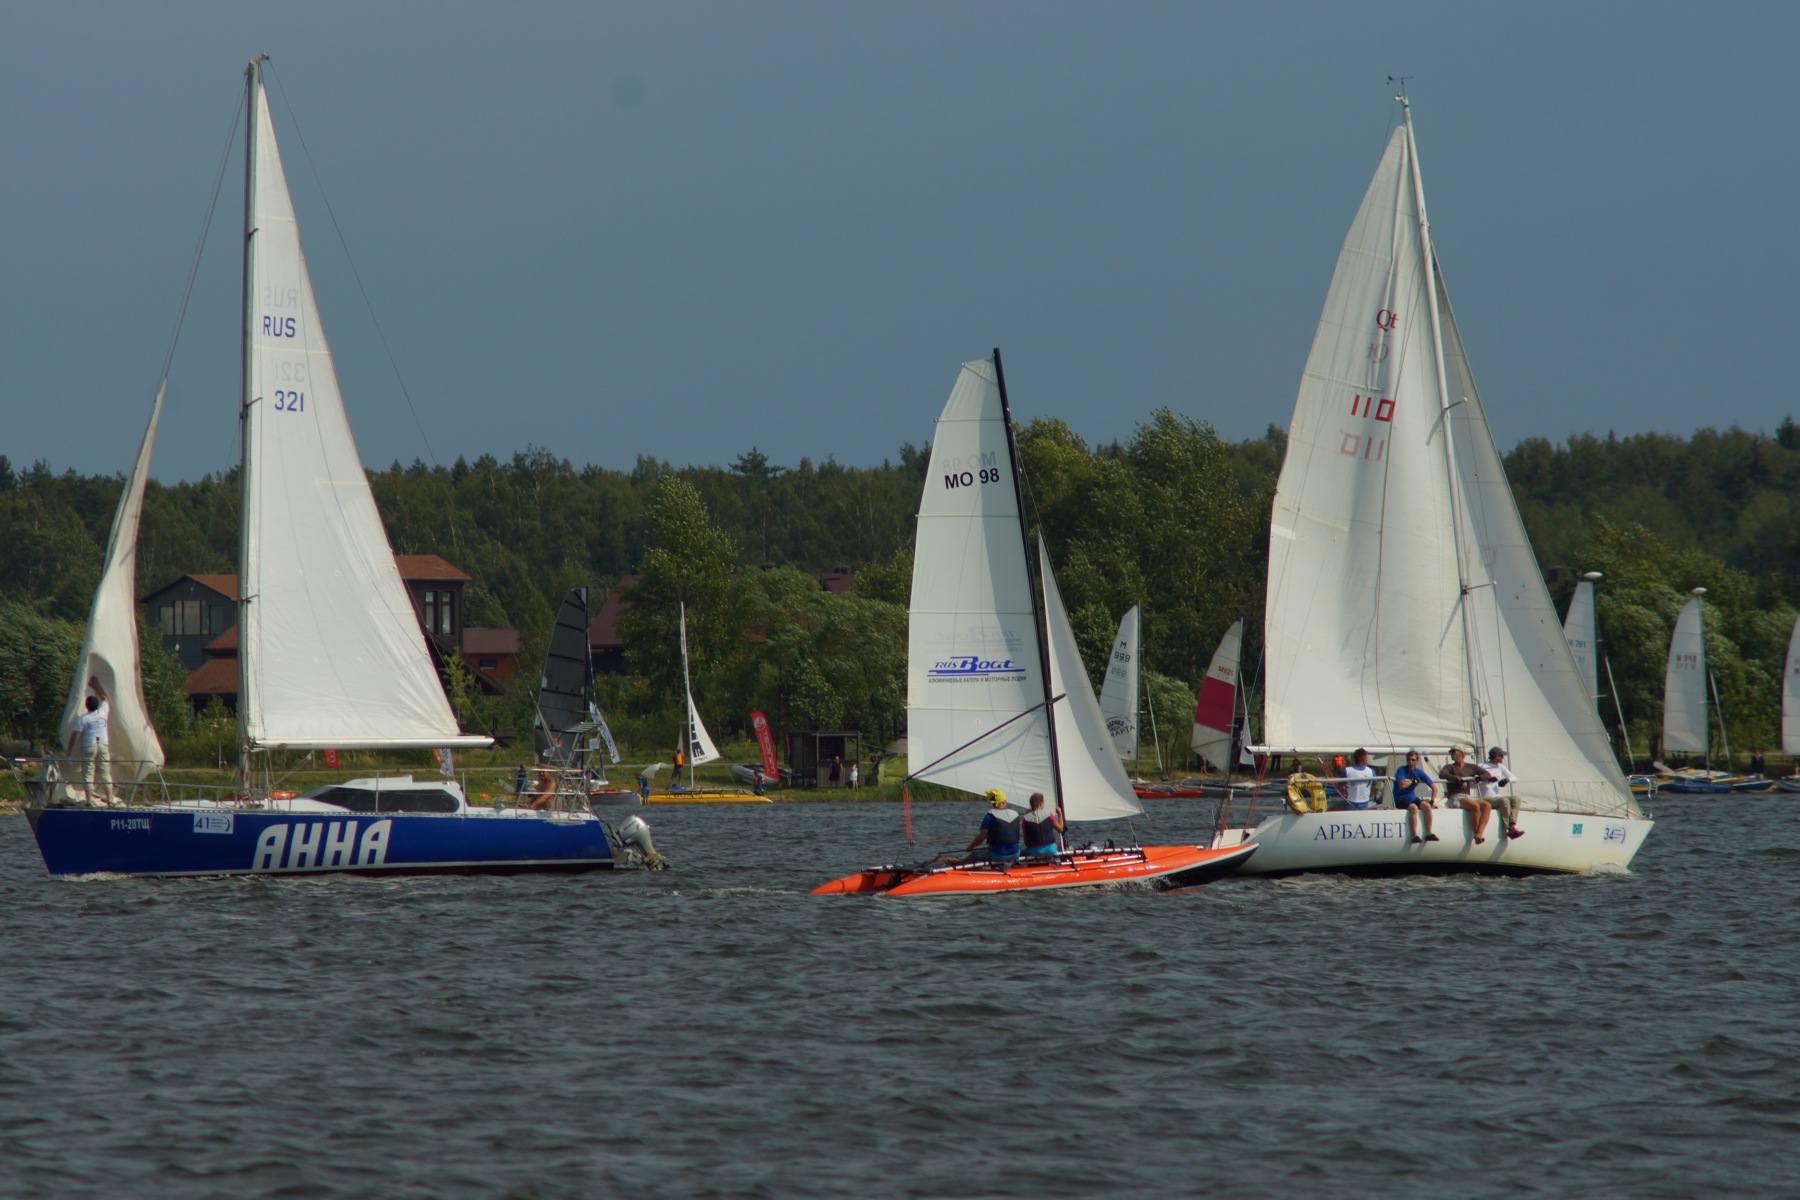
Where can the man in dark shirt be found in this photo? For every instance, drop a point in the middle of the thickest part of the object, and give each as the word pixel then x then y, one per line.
pixel 1459 779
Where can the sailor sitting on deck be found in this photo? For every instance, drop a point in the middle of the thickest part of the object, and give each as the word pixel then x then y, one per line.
pixel 1000 828
pixel 1042 828
pixel 543 790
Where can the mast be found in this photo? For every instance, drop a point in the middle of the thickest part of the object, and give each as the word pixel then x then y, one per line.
pixel 1444 406
pixel 253 86
pixel 1037 609
pixel 687 702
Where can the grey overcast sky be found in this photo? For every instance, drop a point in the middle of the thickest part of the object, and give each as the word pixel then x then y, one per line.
pixel 681 229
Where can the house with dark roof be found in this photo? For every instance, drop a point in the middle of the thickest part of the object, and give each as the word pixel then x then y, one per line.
pixel 197 615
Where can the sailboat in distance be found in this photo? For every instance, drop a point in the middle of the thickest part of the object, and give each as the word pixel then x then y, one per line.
pixel 331 654
pixel 1405 608
pixel 997 696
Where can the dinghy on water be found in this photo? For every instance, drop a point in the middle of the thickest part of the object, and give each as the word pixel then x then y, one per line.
pixel 1687 684
pixel 699 750
pixel 1405 608
pixel 331 655
pixel 997 696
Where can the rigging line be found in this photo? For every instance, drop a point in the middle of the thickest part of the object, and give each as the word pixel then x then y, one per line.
pixel 911 775
pixel 205 230
pixel 355 274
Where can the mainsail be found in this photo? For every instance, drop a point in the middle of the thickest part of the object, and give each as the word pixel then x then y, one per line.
pixel 1217 703
pixel 1790 697
pixel 1405 606
pixel 974 677
pixel 1684 686
pixel 1119 690
pixel 1579 630
pixel 700 749
pixel 109 651
pixel 562 702
pixel 330 649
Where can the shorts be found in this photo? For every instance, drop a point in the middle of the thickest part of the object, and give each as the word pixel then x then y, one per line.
pixel 1408 801
pixel 1043 851
pixel 1003 853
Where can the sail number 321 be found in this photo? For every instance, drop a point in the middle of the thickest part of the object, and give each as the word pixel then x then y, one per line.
pixel 290 401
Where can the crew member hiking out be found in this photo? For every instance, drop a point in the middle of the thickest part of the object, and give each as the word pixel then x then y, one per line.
pixel 1000 828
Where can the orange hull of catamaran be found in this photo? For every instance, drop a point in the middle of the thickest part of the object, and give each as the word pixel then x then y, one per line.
pixel 1165 866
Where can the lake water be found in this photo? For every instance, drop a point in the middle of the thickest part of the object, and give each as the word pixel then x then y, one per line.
pixel 715 1031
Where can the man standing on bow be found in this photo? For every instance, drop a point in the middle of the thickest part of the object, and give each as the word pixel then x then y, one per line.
pixel 96 748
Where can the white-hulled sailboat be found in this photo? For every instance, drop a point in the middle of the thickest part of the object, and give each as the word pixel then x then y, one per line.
pixel 1687 686
pixel 1405 608
pixel 996 695
pixel 1790 709
pixel 330 652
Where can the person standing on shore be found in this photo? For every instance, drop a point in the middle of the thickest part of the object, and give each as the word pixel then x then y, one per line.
pixel 855 776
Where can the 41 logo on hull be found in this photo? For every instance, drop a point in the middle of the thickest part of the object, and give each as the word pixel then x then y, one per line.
pixel 309 845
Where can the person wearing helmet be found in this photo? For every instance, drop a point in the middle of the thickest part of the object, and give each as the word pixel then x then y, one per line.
pixel 1000 829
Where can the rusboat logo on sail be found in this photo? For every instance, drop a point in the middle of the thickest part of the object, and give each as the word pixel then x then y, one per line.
pixel 973 666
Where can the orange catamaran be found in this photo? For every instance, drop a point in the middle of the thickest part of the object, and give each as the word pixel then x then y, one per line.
pixel 996 694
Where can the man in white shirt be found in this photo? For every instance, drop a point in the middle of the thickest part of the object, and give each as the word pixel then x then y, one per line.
pixel 1359 791
pixel 96 750
pixel 1498 789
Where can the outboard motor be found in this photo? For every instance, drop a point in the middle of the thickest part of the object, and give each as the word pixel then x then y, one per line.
pixel 634 838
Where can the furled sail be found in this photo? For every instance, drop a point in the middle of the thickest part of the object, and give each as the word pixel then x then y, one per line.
pixel 1217 702
pixel 331 653
pixel 975 683
pixel 1094 786
pixel 1364 631
pixel 562 702
pixel 109 651
pixel 1119 690
pixel 1684 686
pixel 1578 629
pixel 700 748
pixel 1790 697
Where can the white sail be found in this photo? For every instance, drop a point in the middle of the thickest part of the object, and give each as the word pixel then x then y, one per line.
pixel 1364 633
pixel 974 679
pixel 330 650
pixel 1119 690
pixel 700 749
pixel 1684 686
pixel 1094 786
pixel 1579 630
pixel 109 651
pixel 1533 699
pixel 1790 697
pixel 1216 705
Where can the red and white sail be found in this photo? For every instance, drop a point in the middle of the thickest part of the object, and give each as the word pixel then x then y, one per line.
pixel 1217 704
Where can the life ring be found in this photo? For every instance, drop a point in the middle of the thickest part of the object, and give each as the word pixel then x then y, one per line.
pixel 1305 794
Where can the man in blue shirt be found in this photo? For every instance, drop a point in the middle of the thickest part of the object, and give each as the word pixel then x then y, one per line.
pixel 1000 828
pixel 1407 781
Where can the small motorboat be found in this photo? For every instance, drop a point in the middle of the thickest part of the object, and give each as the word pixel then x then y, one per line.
pixel 1165 867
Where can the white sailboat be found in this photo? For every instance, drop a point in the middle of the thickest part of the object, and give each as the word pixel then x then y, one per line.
pixel 1579 630
pixel 1119 690
pixel 1686 685
pixel 1790 707
pixel 109 650
pixel 1405 608
pixel 997 696
pixel 1216 706
pixel 331 655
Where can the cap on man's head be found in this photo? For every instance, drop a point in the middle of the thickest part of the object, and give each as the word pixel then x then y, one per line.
pixel 1496 752
pixel 996 797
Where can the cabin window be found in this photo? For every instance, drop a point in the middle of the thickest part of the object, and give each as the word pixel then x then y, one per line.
pixel 218 618
pixel 439 612
pixel 166 618
pixel 486 664
pixel 188 616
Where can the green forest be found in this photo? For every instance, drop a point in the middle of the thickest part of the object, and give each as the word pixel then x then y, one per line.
pixel 1175 519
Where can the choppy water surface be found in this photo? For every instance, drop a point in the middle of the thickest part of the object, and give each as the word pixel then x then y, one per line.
pixel 716 1031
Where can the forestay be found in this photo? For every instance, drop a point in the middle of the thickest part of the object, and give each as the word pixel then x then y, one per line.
pixel 109 651
pixel 1094 786
pixel 1216 705
pixel 1684 686
pixel 1119 690
pixel 1579 630
pixel 974 679
pixel 331 651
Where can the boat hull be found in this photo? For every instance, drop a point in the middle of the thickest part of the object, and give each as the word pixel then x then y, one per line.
pixel 219 841
pixel 1164 866
pixel 1377 841
pixel 706 798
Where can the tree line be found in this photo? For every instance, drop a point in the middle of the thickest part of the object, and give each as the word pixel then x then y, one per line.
pixel 1174 519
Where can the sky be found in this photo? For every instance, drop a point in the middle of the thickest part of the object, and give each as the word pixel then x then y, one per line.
pixel 682 230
